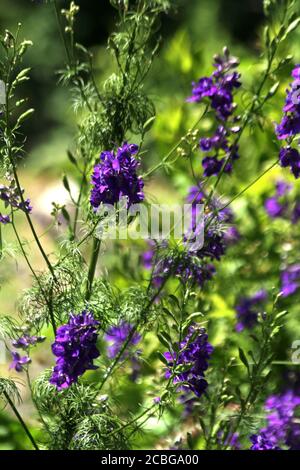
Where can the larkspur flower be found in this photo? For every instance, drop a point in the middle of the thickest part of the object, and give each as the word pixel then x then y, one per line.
pixel 261 442
pixel 247 310
pixel 283 427
pixel 75 349
pixel 289 127
pixel 24 342
pixel 193 356
pixel 218 89
pixel 10 195
pixel 116 177
pixel 195 265
pixel 18 362
pixel 290 280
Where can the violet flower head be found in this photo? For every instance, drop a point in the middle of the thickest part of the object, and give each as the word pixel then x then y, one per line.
pixel 75 349
pixel 115 177
pixel 261 442
pixel 290 280
pixel 194 354
pixel 116 337
pixel 247 310
pixel 18 362
pixel 11 196
pixel 289 127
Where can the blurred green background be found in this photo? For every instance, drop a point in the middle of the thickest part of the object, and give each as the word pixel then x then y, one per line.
pixel 190 37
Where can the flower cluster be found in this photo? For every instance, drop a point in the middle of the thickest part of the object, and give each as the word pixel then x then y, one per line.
pixel 24 342
pixel 115 177
pixel 283 427
pixel 10 195
pixel 289 126
pixel 192 358
pixel 279 205
pixel 261 442
pixel 115 337
pixel 75 349
pixel 290 280
pixel 218 88
pixel 192 265
pixel 247 310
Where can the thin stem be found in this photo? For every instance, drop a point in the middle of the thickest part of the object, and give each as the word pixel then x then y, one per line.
pixel 20 419
pixel 92 268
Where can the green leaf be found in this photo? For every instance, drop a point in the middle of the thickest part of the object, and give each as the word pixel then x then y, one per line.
pixel 162 358
pixel 243 358
pixel 164 340
pixel 24 116
pixel 66 183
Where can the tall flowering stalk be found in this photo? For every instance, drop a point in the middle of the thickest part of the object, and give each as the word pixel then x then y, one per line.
pixel 170 310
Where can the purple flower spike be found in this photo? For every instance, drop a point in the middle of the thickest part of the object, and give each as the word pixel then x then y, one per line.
pixel 75 349
pixel 289 126
pixel 116 177
pixel 193 356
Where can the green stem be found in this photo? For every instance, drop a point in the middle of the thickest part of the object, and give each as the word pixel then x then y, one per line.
pixel 48 302
pixel 20 419
pixel 92 268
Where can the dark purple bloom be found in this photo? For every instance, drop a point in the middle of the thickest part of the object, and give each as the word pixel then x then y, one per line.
pixel 290 280
pixel 75 349
pixel 4 219
pixel 19 362
pixel 283 427
pixel 219 90
pixel 192 358
pixel 261 442
pixel 115 177
pixel 247 310
pixel 12 197
pixel 290 126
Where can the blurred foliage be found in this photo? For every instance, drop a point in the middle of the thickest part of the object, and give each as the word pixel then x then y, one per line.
pixel 190 37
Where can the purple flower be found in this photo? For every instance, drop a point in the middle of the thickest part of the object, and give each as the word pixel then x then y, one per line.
pixel 4 219
pixel 116 177
pixel 219 90
pixel 290 157
pixel 19 362
pixel 290 280
pixel 26 341
pixel 75 349
pixel 274 208
pixel 192 358
pixel 261 442
pixel 12 197
pixel 290 126
pixel 247 310
pixel 117 335
pixel 283 427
